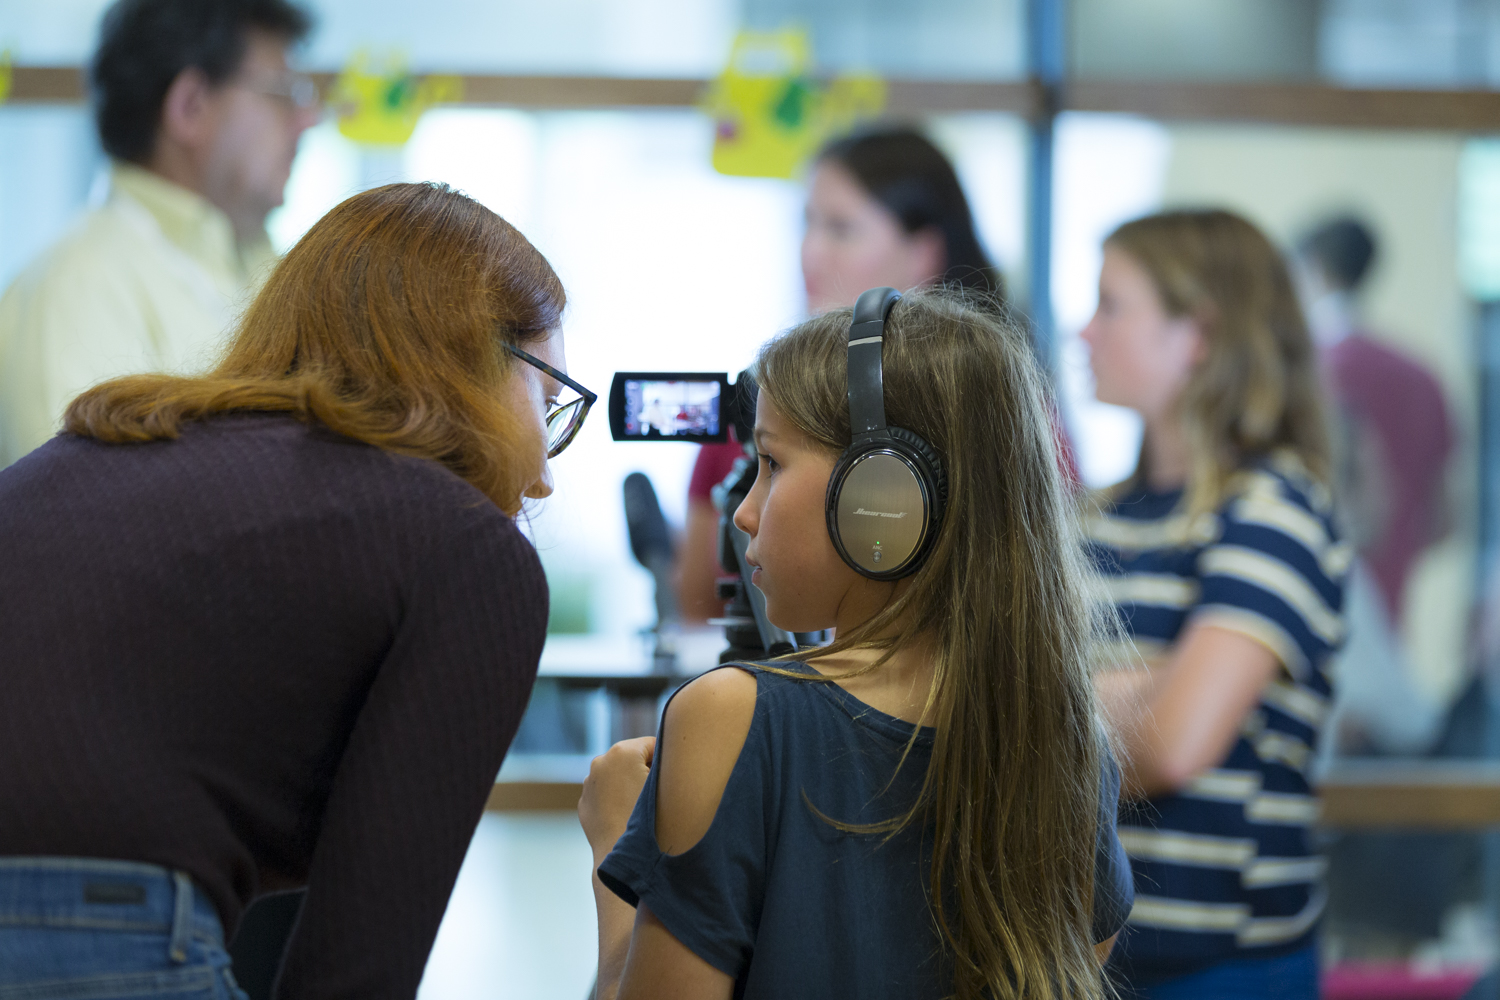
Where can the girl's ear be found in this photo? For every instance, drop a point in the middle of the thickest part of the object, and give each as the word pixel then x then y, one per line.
pixel 1194 341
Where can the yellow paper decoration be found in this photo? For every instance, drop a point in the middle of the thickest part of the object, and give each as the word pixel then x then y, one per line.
pixel 6 75
pixel 379 103
pixel 770 115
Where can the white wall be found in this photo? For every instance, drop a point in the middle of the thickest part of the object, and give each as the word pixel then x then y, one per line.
pixel 1108 169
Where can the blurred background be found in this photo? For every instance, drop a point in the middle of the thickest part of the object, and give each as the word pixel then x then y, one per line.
pixel 586 123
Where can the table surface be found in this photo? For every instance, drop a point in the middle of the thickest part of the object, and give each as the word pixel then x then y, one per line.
pixel 629 655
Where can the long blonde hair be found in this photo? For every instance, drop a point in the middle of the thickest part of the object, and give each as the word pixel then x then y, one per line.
pixel 1256 391
pixel 1012 790
pixel 386 323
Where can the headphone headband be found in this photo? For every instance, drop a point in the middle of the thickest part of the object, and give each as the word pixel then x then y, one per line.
pixel 886 493
pixel 866 336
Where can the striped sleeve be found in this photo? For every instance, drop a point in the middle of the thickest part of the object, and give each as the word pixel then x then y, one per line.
pixel 1275 575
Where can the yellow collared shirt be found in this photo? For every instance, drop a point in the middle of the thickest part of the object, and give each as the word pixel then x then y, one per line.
pixel 150 281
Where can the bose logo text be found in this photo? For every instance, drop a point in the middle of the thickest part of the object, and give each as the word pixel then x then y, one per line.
pixel 878 513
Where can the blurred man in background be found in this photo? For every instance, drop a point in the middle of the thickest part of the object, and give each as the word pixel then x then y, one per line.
pixel 1393 439
pixel 1394 420
pixel 200 114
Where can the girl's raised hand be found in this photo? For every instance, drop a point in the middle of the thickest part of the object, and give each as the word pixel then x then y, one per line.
pixel 614 783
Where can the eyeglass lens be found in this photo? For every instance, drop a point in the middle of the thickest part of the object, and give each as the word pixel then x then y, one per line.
pixel 562 424
pixel 303 92
pixel 295 88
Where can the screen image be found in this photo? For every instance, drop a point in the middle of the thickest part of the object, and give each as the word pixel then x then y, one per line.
pixel 673 408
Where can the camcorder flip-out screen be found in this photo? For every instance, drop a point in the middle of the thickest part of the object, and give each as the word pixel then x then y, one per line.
pixel 670 406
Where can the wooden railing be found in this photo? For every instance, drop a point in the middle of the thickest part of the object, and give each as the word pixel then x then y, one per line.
pixel 1428 795
pixel 1287 104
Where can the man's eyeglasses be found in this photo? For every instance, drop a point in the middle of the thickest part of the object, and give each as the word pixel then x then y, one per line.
pixel 294 88
pixel 563 419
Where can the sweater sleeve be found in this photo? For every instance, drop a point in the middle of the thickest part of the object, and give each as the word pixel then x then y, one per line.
pixel 419 765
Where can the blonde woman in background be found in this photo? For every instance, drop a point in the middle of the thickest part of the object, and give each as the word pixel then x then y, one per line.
pixel 1223 560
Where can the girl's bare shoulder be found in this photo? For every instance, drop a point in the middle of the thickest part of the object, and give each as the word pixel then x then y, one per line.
pixel 703 731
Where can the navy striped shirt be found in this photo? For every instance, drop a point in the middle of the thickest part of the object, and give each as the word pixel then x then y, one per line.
pixel 1225 868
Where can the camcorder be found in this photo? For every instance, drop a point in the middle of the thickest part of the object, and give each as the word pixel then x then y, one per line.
pixel 701 408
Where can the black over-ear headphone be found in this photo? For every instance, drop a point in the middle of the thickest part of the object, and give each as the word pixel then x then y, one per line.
pixel 887 492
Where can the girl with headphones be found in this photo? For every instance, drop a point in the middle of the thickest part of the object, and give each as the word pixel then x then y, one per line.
pixel 924 808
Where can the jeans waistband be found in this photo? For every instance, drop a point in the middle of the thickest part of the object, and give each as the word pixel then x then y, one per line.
pixel 98 894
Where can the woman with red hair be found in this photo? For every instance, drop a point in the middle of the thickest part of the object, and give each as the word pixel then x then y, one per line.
pixel 275 626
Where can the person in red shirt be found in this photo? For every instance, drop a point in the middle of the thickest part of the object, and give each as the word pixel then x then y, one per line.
pixel 1393 442
pixel 1393 419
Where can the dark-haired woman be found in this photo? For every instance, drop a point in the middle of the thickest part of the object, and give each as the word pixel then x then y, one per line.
pixel 275 626
pixel 884 207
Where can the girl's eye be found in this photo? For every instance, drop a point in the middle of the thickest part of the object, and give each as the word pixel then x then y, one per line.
pixel 771 464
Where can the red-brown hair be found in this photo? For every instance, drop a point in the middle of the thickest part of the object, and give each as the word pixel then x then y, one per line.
pixel 385 323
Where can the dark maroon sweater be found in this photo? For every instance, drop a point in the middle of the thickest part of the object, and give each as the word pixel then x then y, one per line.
pixel 266 655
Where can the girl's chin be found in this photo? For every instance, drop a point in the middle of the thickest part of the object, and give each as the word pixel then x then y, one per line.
pixel 793 622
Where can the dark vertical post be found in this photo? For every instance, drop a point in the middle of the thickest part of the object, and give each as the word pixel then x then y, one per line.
pixel 1489 440
pixel 1488 988
pixel 1046 50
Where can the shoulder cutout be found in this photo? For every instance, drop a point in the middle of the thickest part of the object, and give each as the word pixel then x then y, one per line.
pixel 703 732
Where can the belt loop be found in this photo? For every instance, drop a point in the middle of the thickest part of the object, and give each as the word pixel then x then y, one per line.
pixel 182 918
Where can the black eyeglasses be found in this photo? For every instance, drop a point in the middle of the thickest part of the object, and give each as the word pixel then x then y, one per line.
pixel 563 419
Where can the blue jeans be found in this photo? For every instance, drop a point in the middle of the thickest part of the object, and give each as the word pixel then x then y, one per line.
pixel 89 929
pixel 1284 977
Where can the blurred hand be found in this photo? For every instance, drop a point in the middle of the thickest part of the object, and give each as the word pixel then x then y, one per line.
pixel 614 783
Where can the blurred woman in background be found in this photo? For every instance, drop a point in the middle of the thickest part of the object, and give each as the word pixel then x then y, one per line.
pixel 1223 560
pixel 884 208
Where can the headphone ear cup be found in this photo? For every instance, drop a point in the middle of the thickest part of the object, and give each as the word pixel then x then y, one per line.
pixel 833 497
pixel 873 489
pixel 927 459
